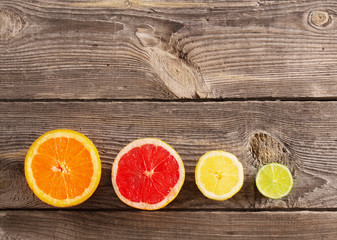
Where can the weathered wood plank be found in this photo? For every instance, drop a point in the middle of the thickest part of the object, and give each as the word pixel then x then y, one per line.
pixel 164 49
pixel 167 225
pixel 301 135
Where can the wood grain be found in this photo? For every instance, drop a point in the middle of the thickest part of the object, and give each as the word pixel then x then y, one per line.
pixel 167 225
pixel 301 135
pixel 166 50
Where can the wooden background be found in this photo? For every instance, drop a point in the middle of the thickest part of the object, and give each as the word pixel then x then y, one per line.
pixel 255 78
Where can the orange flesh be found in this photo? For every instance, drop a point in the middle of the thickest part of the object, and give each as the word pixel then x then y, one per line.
pixel 62 168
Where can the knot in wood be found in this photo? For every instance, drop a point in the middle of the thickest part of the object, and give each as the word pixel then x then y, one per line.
pixel 319 18
pixel 266 149
pixel 127 3
pixel 174 74
pixel 10 25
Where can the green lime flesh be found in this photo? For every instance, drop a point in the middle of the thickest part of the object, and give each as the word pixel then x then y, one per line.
pixel 274 180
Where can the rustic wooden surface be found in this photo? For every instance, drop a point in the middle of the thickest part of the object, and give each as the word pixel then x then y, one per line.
pixel 137 49
pixel 301 135
pixel 168 225
pixel 256 78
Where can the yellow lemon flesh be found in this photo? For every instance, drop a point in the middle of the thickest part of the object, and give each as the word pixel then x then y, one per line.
pixel 219 175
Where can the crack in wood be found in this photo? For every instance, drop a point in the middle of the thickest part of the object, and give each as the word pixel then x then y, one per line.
pixel 161 4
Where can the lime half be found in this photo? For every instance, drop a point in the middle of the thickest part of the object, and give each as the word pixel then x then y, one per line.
pixel 274 180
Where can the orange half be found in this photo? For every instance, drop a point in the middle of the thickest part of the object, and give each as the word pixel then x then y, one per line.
pixel 63 168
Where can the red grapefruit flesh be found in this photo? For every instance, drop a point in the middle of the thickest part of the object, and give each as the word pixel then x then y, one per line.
pixel 147 174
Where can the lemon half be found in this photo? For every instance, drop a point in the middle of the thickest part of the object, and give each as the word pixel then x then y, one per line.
pixel 219 175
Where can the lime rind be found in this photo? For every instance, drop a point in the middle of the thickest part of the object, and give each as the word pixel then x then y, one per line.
pixel 273 176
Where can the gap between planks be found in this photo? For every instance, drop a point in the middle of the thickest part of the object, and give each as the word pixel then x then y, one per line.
pixel 262 99
pixel 163 210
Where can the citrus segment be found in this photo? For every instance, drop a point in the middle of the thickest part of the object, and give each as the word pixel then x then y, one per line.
pixel 63 168
pixel 147 174
pixel 219 175
pixel 274 180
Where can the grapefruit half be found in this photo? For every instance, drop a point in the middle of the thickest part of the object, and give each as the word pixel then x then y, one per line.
pixel 147 174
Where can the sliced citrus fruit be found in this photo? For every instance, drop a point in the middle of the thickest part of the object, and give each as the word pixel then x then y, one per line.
pixel 63 168
pixel 219 175
pixel 147 174
pixel 274 180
